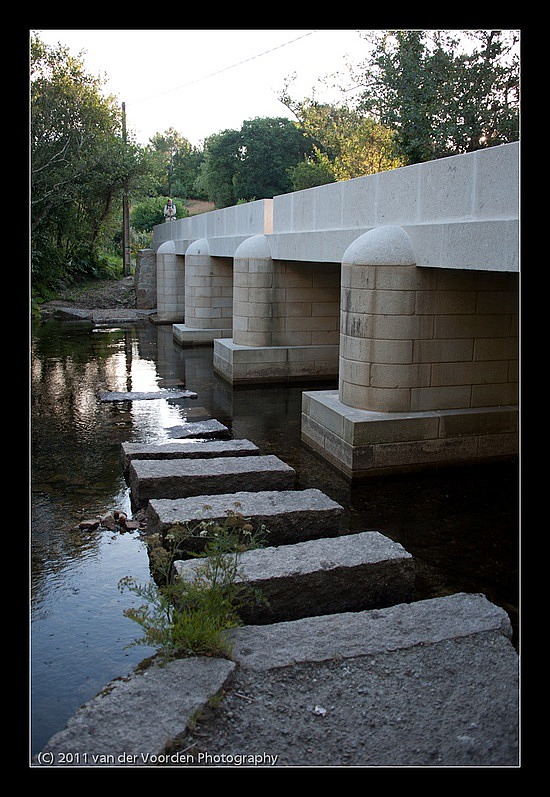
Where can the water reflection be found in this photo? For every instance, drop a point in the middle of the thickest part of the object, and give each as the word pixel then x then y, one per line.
pixel 461 526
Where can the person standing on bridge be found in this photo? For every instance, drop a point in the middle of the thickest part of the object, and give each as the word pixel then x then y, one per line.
pixel 169 211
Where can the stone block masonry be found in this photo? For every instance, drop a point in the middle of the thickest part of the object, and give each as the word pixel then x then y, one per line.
pixel 145 280
pixel 362 443
pixel 339 574
pixel 170 284
pixel 289 515
pixel 241 365
pixel 185 449
pixel 403 286
pixel 183 478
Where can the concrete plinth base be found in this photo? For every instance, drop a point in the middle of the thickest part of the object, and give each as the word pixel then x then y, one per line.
pixel 255 364
pixel 192 336
pixel 363 443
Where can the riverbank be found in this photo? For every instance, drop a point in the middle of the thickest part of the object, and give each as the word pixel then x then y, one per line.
pixel 96 295
pixel 98 301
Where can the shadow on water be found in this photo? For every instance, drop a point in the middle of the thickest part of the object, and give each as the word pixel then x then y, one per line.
pixel 461 525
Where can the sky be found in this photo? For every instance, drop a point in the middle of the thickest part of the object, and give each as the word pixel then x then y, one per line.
pixel 201 82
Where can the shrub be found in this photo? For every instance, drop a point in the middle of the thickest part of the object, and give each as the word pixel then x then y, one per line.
pixel 187 616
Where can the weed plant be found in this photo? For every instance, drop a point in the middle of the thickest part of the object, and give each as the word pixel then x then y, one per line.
pixel 187 616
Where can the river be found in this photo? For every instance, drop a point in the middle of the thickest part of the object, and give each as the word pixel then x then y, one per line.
pixel 461 525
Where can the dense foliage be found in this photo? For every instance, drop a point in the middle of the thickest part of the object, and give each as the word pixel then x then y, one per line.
pixel 443 94
pixel 80 165
pixel 347 144
pixel 253 162
pixel 149 211
pixel 179 164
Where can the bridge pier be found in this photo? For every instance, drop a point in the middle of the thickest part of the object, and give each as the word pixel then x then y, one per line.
pixel 285 319
pixel 208 297
pixel 428 364
pixel 170 284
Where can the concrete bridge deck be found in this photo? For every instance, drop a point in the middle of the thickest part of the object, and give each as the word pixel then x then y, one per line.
pixel 460 212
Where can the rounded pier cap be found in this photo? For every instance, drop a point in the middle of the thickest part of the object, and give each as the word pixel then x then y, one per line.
pixel 382 246
pixel 199 247
pixel 256 247
pixel 167 248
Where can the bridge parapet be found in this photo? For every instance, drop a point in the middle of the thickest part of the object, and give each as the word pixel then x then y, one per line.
pixel 224 229
pixel 460 212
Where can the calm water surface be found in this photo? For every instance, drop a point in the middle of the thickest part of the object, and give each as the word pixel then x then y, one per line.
pixel 460 525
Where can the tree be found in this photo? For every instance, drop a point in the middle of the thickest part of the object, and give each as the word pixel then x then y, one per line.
pixel 268 148
pixel 309 173
pixel 178 161
pixel 443 94
pixel 253 162
pixel 217 172
pixel 347 144
pixel 186 172
pixel 79 165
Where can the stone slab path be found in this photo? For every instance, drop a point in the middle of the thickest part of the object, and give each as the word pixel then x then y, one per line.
pixel 393 682
pixel 427 684
pixel 289 515
pixel 182 449
pixel 324 576
pixel 155 395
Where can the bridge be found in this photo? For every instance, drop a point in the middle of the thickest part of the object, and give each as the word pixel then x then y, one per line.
pixel 402 287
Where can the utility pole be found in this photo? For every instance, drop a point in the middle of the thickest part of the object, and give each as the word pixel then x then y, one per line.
pixel 126 259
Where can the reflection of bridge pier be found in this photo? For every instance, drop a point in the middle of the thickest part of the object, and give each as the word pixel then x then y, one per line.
pixel 402 285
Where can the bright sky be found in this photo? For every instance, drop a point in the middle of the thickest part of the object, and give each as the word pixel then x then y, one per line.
pixel 201 82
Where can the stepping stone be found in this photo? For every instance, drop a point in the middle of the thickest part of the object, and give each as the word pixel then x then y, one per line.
pixel 210 428
pixel 157 394
pixel 289 515
pixel 130 722
pixel 182 449
pixel 183 478
pixel 348 635
pixel 339 574
pixel 432 683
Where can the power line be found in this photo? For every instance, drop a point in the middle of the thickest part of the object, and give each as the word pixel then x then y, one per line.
pixel 225 69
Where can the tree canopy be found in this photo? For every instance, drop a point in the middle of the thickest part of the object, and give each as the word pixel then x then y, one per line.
pixel 418 95
pixel 442 93
pixel 179 163
pixel 80 164
pixel 346 144
pixel 253 162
